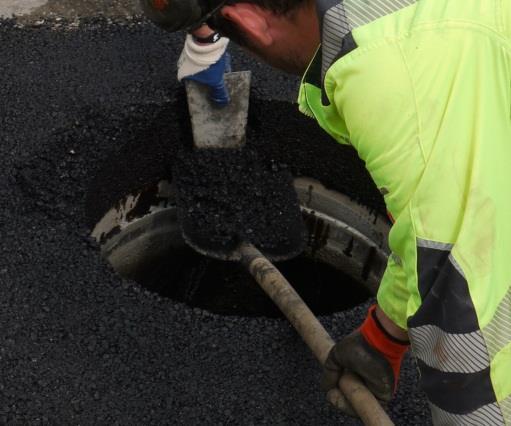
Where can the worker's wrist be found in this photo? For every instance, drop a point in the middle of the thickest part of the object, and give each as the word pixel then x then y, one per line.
pixel 379 338
pixel 390 327
pixel 202 31
pixel 392 348
pixel 205 35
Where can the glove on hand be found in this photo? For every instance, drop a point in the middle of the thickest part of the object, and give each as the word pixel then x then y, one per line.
pixel 371 353
pixel 206 64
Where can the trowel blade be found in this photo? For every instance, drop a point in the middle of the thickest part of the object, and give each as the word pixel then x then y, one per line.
pixel 215 127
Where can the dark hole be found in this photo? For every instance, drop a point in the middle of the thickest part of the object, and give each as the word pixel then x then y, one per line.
pixel 226 288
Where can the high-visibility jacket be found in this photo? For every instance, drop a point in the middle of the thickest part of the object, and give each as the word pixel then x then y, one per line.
pixel 422 90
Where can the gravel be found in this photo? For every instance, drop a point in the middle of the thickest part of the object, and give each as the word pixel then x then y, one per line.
pixel 88 113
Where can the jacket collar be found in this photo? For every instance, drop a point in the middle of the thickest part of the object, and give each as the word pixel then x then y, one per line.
pixel 336 41
pixel 337 19
pixel 334 27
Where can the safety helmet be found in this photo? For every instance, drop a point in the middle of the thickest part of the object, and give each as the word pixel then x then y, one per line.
pixel 175 15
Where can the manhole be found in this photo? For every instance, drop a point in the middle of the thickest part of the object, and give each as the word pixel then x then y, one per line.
pixel 341 267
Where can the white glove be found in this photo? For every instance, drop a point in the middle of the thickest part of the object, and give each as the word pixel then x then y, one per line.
pixel 199 57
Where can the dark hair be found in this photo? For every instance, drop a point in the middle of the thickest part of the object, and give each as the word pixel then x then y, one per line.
pixel 230 30
pixel 276 6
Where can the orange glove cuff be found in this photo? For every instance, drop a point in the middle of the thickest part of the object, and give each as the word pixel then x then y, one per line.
pixel 377 337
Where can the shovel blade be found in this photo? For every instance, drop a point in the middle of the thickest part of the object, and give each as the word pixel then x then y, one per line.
pixel 220 127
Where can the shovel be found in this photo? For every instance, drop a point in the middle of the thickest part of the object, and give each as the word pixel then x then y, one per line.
pixel 225 128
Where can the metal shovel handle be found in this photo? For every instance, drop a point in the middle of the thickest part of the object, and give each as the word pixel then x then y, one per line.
pixel 312 332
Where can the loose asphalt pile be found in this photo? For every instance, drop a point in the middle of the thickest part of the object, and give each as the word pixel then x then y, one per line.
pixel 227 197
pixel 88 114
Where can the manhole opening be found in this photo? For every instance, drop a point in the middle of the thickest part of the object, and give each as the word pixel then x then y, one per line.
pixel 226 288
pixel 341 267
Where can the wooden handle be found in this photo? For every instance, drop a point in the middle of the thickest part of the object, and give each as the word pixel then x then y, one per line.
pixel 312 332
pixel 372 413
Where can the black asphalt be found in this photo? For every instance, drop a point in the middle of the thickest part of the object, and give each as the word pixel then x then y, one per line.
pixel 226 197
pixel 86 115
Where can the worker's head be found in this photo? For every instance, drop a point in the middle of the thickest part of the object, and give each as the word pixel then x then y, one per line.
pixel 284 33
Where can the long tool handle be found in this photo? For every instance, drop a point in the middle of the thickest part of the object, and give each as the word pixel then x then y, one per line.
pixel 312 332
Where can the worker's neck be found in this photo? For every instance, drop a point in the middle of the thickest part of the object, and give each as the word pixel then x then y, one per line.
pixel 302 28
pixel 297 35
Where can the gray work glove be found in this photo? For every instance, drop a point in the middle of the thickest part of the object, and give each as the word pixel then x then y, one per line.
pixel 372 354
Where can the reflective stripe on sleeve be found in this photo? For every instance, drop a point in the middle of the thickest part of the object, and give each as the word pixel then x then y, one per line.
pixel 487 415
pixel 450 352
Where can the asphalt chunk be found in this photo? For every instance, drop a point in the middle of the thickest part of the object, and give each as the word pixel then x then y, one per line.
pixel 95 110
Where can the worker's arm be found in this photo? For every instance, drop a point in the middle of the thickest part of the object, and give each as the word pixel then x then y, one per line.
pixel 374 352
pixel 205 59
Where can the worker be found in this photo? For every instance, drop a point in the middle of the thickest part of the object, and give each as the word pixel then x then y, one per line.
pixel 421 89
